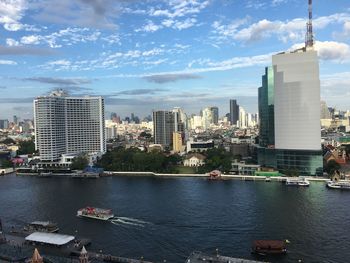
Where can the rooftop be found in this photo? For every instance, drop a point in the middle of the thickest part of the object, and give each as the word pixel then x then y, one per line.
pixel 50 238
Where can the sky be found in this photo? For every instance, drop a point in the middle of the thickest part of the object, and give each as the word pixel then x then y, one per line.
pixel 145 55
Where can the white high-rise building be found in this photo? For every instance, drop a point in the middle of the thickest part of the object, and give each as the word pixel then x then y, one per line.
pixel 68 125
pixel 242 121
pixel 297 100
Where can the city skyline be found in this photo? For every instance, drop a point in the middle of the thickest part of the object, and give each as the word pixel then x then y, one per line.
pixel 143 56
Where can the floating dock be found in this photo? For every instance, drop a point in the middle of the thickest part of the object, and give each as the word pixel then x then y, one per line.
pixel 199 257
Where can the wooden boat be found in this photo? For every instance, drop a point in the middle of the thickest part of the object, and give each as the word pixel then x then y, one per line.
pixel 267 247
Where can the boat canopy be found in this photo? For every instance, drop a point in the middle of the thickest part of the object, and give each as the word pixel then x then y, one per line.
pixel 50 238
pixel 269 244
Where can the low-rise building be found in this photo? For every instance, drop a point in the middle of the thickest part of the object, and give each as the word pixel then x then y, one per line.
pixel 242 168
pixel 194 160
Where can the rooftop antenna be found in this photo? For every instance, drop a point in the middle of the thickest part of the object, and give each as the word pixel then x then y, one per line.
pixel 309 39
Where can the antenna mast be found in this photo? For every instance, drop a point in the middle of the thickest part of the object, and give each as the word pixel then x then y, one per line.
pixel 309 39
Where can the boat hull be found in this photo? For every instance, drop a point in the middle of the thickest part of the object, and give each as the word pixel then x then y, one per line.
pixel 105 218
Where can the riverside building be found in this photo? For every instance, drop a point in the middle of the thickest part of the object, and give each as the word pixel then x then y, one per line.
pixel 289 109
pixel 67 125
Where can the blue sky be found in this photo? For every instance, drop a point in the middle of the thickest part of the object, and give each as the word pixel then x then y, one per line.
pixel 144 55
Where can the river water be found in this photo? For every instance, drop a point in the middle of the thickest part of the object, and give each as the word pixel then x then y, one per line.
pixel 166 219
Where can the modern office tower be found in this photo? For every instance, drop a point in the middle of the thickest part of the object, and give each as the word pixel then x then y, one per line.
pixel 210 115
pixel 163 127
pixel 294 95
pixel 182 119
pixel 266 109
pixel 294 144
pixel 177 142
pixel 234 112
pixel 68 125
pixel 4 124
pixel 215 113
pixel 195 122
pixel 15 119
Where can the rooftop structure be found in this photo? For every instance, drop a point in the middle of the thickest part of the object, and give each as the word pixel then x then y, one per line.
pixel 49 238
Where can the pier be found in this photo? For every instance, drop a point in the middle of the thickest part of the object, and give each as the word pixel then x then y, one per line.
pixel 198 257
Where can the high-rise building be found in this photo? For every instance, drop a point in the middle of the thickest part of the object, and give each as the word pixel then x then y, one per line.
pixel 4 124
pixel 295 97
pixel 15 119
pixel 210 115
pixel 163 127
pixel 266 109
pixel 68 125
pixel 291 93
pixel 234 112
pixel 325 114
pixel 177 142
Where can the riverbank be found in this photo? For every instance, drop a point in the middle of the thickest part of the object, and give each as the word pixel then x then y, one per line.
pixel 179 175
pixel 223 176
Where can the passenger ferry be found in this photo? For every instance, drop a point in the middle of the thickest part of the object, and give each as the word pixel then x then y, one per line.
pixel 343 184
pixel 297 182
pixel 95 213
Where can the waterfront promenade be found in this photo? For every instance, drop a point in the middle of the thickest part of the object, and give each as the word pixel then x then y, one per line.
pixel 223 176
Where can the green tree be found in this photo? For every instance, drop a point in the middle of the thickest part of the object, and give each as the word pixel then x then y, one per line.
pixel 331 167
pixel 8 141
pixel 26 147
pixel 5 163
pixel 79 162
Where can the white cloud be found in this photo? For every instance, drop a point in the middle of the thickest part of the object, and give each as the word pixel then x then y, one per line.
pixel 8 62
pixel 189 22
pixel 30 40
pixel 180 8
pixel 330 50
pixel 11 12
pixel 11 42
pixel 290 30
pixel 149 27
pixel 68 36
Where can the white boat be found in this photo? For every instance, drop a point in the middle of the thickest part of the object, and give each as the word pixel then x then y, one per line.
pixel 297 182
pixel 95 213
pixel 343 184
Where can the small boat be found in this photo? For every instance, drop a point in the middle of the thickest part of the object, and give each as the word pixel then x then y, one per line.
pixel 41 226
pixel 95 213
pixel 268 179
pixel 215 175
pixel 267 247
pixel 297 182
pixel 342 184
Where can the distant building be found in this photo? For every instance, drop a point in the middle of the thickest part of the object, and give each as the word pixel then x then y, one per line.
pixel 15 119
pixel 210 115
pixel 177 142
pixel 163 127
pixel 68 125
pixel 4 124
pixel 194 160
pixel 199 146
pixel 234 112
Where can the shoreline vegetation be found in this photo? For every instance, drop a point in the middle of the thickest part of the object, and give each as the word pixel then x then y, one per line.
pixel 135 160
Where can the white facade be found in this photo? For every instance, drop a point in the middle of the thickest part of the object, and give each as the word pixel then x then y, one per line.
pixel 297 101
pixel 68 125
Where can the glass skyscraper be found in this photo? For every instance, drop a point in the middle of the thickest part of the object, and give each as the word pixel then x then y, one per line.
pixel 289 109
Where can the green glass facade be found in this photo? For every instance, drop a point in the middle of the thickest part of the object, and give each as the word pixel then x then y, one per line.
pixel 289 162
pixel 266 109
pixel 299 162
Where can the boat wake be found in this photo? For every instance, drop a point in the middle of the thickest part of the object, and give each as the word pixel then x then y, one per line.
pixel 128 221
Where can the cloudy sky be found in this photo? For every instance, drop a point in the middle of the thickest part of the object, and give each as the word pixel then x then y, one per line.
pixel 144 55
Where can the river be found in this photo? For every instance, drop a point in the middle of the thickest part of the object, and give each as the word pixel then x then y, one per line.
pixel 168 218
